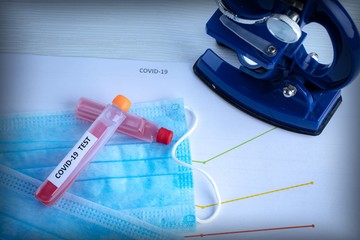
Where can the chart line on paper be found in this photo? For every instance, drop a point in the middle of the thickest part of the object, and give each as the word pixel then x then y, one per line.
pixel 235 147
pixel 249 231
pixel 256 195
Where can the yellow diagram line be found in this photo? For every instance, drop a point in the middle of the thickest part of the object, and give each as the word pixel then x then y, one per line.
pixel 256 195
pixel 233 148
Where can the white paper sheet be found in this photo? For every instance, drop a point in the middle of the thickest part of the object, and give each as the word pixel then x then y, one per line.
pixel 309 180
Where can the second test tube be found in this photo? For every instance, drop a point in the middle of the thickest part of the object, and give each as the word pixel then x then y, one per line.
pixel 133 125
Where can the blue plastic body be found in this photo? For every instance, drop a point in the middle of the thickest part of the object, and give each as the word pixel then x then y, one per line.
pixel 259 89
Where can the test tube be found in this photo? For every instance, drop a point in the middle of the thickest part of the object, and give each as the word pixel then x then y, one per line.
pixel 133 125
pixel 84 151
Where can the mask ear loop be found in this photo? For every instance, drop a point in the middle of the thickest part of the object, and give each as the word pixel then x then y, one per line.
pixel 210 179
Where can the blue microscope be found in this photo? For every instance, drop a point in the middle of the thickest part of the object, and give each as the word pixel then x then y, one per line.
pixel 278 81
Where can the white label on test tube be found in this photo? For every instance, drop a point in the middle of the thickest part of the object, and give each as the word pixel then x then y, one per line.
pixel 72 159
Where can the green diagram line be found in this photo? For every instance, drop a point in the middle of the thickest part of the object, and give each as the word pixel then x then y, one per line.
pixel 233 148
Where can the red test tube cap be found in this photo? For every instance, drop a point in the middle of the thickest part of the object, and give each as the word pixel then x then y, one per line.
pixel 164 136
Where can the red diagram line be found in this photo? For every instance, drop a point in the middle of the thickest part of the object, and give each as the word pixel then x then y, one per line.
pixel 249 231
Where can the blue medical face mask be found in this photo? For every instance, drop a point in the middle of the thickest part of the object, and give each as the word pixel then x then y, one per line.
pixel 130 176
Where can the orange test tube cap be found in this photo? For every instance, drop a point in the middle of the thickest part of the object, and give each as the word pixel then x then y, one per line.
pixel 122 102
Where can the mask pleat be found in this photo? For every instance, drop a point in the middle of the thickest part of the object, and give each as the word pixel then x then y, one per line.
pixel 70 218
